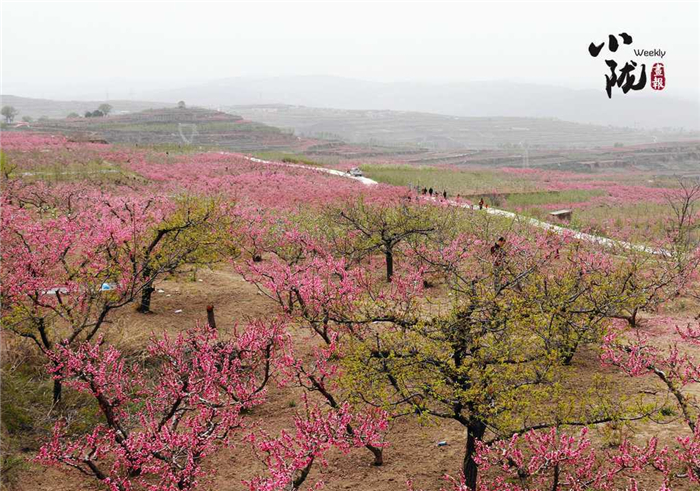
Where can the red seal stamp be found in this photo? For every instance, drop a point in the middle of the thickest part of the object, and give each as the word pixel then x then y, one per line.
pixel 658 76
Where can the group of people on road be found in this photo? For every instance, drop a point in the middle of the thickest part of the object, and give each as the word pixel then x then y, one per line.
pixel 433 193
pixel 498 252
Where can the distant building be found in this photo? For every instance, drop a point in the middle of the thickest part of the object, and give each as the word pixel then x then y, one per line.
pixel 563 215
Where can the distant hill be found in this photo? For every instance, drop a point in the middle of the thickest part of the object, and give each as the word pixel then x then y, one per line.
pixel 334 135
pixel 175 126
pixel 447 133
pixel 469 99
pixel 37 108
pixel 328 131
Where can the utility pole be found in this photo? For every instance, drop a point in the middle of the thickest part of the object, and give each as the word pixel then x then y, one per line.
pixel 526 155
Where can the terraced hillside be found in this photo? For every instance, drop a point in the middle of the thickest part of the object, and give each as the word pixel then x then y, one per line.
pixel 439 132
pixel 199 127
pixel 190 126
pixel 50 108
pixel 387 137
pixel 664 157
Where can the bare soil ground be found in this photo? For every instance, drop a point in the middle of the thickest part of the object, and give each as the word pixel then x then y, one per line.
pixel 412 452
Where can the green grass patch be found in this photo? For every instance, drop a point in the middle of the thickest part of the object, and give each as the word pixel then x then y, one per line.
pixel 291 158
pixel 454 181
pixel 552 197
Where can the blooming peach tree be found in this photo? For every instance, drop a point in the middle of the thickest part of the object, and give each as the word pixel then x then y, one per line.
pixel 290 456
pixel 159 427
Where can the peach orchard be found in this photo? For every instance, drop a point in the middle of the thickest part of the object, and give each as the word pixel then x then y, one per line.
pixel 411 312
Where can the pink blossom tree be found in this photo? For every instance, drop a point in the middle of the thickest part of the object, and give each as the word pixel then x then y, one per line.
pixel 64 271
pixel 636 354
pixel 290 456
pixel 159 426
pixel 334 299
pixel 556 461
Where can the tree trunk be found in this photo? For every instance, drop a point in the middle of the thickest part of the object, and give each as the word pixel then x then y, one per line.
pixel 555 478
pixel 568 357
pixel 57 390
pixel 568 353
pixel 378 454
pixel 475 433
pixel 301 476
pixel 632 319
pixel 211 320
pixel 145 306
pixel 389 264
pixel 57 387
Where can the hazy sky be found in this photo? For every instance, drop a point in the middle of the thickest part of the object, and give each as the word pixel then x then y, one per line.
pixel 71 49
